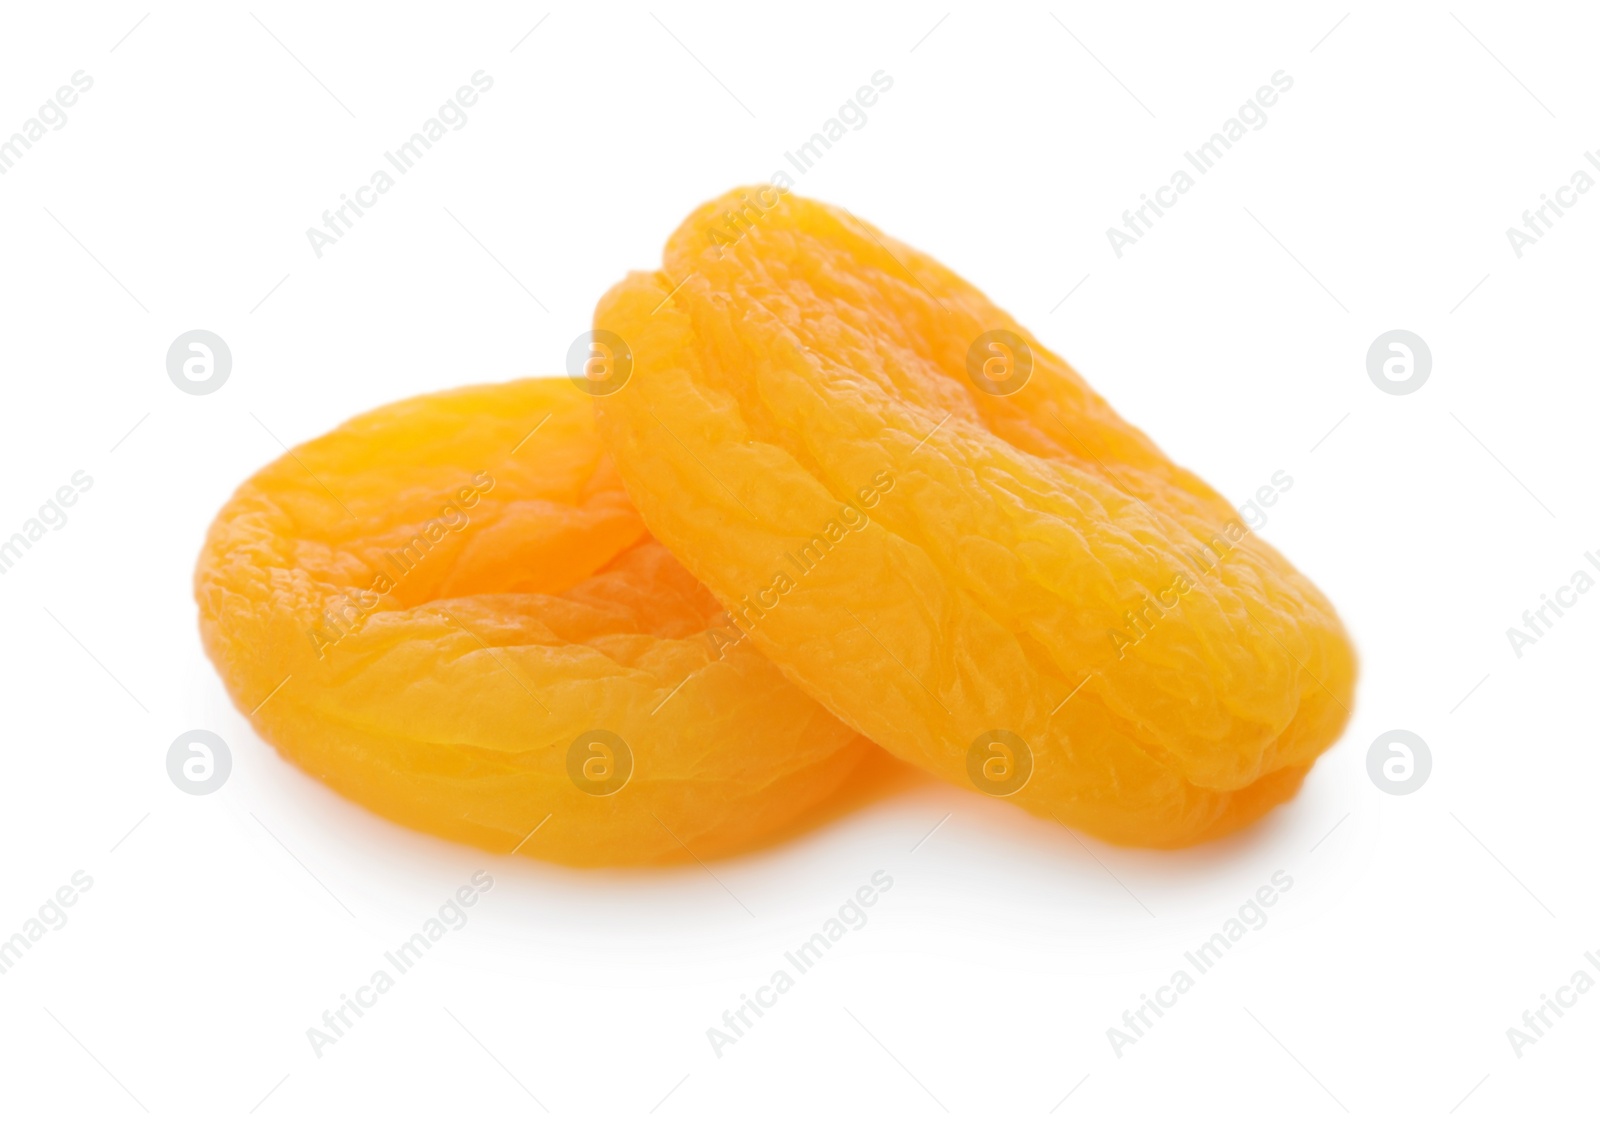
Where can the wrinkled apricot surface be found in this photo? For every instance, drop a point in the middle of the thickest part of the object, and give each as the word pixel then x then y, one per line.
pixel 448 610
pixel 951 541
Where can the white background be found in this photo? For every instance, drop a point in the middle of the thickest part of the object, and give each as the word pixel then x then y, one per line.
pixel 1376 197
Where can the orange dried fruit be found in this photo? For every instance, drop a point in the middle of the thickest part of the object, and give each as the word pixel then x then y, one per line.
pixel 448 610
pixel 930 522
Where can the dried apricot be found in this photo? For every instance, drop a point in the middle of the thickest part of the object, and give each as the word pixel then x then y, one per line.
pixel 930 522
pixel 448 610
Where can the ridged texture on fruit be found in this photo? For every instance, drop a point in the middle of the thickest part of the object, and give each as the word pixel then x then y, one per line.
pixel 787 358
pixel 448 700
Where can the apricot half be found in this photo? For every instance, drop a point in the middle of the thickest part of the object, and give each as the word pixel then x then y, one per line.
pixel 929 521
pixel 448 610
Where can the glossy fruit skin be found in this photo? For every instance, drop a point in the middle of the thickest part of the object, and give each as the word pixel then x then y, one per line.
pixel 427 607
pixel 1036 567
